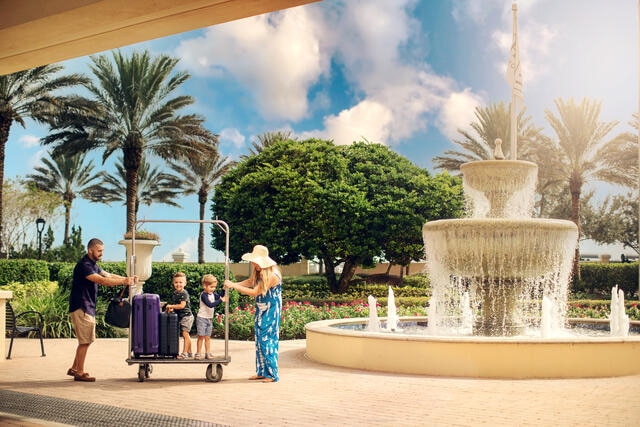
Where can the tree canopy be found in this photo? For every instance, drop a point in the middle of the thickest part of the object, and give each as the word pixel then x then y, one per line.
pixel 344 205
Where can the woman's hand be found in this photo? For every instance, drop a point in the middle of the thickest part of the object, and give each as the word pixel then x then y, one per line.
pixel 229 284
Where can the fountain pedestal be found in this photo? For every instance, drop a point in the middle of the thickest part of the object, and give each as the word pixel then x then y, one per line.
pixel 499 309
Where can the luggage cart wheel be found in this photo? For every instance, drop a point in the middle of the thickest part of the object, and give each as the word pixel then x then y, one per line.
pixel 144 370
pixel 210 375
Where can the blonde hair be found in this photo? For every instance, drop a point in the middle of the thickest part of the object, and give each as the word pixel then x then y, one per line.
pixel 262 281
pixel 209 279
pixel 179 274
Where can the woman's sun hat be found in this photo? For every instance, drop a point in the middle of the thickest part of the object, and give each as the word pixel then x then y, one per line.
pixel 260 256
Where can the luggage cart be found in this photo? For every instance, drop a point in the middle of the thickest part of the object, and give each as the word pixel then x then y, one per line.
pixel 145 364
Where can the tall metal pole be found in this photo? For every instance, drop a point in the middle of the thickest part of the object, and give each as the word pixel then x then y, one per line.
pixel 514 109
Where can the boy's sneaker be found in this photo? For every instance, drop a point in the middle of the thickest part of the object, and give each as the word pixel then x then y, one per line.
pixel 198 356
pixel 209 356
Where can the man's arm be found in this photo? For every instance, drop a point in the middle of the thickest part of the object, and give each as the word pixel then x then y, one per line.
pixel 108 279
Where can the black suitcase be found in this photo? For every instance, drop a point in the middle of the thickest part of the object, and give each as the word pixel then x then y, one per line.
pixel 169 335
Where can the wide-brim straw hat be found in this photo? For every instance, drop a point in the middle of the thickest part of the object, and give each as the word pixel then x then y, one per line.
pixel 260 256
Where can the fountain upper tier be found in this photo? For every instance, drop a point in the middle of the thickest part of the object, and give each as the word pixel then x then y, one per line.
pixel 499 247
pixel 500 188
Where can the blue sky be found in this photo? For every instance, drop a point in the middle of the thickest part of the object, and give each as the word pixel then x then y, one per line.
pixel 406 73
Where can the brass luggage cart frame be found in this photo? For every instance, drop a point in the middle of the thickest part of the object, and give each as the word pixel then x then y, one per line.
pixel 213 372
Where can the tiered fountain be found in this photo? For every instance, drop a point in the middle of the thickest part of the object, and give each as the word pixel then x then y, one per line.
pixel 502 258
pixel 499 295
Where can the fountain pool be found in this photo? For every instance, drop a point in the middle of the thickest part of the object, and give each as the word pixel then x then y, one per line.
pixel 495 278
pixel 347 344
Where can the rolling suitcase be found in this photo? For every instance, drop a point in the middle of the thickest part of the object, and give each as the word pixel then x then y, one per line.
pixel 144 324
pixel 169 333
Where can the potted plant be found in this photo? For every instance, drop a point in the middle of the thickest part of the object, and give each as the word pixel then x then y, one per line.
pixel 140 265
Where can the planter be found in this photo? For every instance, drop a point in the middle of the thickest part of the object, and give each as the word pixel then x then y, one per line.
pixel 142 267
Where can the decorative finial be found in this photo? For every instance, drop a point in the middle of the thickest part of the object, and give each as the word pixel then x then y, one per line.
pixel 497 152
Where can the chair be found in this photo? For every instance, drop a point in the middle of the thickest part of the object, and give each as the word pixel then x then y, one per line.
pixel 22 324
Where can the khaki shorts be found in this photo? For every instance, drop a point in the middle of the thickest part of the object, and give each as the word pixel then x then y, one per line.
pixel 84 326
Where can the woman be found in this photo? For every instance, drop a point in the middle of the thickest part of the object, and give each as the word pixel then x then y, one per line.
pixel 265 284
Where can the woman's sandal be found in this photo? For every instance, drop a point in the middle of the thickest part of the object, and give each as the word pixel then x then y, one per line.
pixel 256 377
pixel 268 380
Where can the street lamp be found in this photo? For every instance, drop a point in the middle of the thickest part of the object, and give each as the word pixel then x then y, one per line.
pixel 40 226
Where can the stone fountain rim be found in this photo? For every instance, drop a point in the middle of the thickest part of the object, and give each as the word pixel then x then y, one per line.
pixel 322 325
pixel 548 223
pixel 498 163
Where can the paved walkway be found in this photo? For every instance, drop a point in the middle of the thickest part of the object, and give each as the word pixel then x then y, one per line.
pixel 307 394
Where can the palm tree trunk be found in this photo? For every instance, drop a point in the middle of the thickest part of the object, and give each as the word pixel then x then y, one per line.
pixel 5 125
pixel 67 220
pixel 575 217
pixel 132 184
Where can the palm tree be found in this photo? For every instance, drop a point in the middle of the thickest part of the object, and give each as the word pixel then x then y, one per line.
pixel 585 154
pixel 135 112
pixel 493 122
pixel 153 186
pixel 621 158
pixel 200 174
pixel 66 176
pixel 266 140
pixel 30 94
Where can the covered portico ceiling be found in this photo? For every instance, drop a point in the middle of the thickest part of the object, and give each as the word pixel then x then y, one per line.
pixel 39 32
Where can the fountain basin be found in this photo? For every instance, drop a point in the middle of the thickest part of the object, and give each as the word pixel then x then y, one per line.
pixel 468 356
pixel 499 247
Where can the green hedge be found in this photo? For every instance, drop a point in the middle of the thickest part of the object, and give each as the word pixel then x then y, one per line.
pixel 23 270
pixel 599 278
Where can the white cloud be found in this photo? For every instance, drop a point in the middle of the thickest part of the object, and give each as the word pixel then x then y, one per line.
pixel 457 112
pixel 276 57
pixel 477 11
pixel 399 94
pixel 368 120
pixel 233 136
pixel 35 159
pixel 29 141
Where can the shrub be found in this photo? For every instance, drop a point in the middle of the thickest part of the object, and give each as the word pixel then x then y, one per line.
pixel 31 289
pixel 23 270
pixel 599 278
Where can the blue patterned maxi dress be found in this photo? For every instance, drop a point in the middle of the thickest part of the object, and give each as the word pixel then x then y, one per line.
pixel 267 331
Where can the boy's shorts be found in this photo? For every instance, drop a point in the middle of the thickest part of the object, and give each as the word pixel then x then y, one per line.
pixel 186 323
pixel 203 326
pixel 84 326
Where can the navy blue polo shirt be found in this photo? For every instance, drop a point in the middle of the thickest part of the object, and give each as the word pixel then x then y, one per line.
pixel 84 292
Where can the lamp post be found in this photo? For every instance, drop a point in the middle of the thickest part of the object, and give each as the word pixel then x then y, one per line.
pixel 40 226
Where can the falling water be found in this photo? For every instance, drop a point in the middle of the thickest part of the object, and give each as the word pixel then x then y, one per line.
pixel 392 315
pixel 618 319
pixel 374 322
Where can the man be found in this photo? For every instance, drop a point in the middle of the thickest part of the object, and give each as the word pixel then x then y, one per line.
pixel 87 275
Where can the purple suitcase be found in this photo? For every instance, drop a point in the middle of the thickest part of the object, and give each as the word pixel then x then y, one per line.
pixel 145 313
